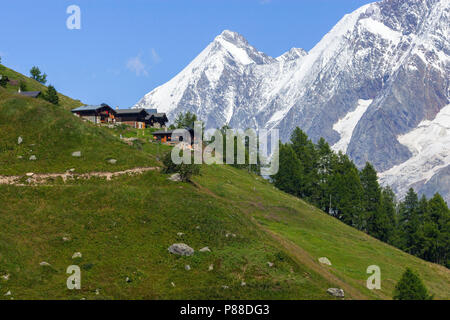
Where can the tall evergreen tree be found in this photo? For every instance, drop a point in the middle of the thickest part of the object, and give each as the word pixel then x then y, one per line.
pixel 347 193
pixel 436 233
pixel 290 171
pixel 306 153
pixel 326 161
pixel 374 216
pixel 388 205
pixel 409 223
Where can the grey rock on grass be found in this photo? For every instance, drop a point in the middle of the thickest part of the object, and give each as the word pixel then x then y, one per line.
pixel 336 292
pixel 181 249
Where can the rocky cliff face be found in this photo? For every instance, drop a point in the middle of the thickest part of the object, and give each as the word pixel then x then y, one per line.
pixel 382 72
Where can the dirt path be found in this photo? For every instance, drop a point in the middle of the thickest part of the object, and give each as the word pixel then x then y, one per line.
pixel 41 178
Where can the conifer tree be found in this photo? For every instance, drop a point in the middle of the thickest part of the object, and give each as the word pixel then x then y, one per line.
pixel 306 153
pixel 436 233
pixel 326 160
pixel 290 171
pixel 347 193
pixel 411 287
pixel 372 201
pixel 388 205
pixel 409 223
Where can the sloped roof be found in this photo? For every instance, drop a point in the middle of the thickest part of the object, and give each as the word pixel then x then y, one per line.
pixel 90 108
pixel 151 111
pixel 32 94
pixel 162 132
pixel 156 115
pixel 130 111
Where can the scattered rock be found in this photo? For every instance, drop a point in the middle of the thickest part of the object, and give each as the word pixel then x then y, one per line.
pixel 65 239
pixel 112 161
pixel 8 293
pixel 19 140
pixel 225 287
pixel 72 170
pixel 205 249
pixel 270 264
pixel 211 267
pixel 181 249
pixel 30 174
pixel 243 283
pixel 76 154
pixel 187 267
pixel 33 157
pixel 97 291
pixel 19 157
pixel 173 284
pixel 175 177
pixel 44 264
pixel 76 255
pixel 336 292
pixel 325 260
pixel 5 277
pixel 127 279
pixel 197 227
pixel 180 234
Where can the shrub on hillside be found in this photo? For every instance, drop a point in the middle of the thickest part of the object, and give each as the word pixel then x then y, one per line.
pixel 3 81
pixel 51 95
pixel 186 171
pixel 411 287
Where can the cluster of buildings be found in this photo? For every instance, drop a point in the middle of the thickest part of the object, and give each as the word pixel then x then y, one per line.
pixel 136 118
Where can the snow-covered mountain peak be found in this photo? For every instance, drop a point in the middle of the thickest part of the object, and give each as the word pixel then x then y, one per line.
pixel 239 48
pixel 374 77
pixel 292 54
pixel 233 38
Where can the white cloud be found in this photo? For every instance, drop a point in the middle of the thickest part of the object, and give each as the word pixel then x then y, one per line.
pixel 136 65
pixel 155 57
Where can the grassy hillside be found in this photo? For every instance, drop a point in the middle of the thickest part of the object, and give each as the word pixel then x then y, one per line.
pixel 124 227
pixel 52 134
pixel 33 85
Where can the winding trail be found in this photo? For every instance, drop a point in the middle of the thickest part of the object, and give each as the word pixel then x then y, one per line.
pixel 41 178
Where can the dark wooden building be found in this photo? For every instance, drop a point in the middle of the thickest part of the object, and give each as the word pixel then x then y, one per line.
pixel 96 114
pixel 156 120
pixel 165 136
pixel 132 117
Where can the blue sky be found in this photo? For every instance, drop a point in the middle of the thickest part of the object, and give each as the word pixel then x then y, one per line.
pixel 126 48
